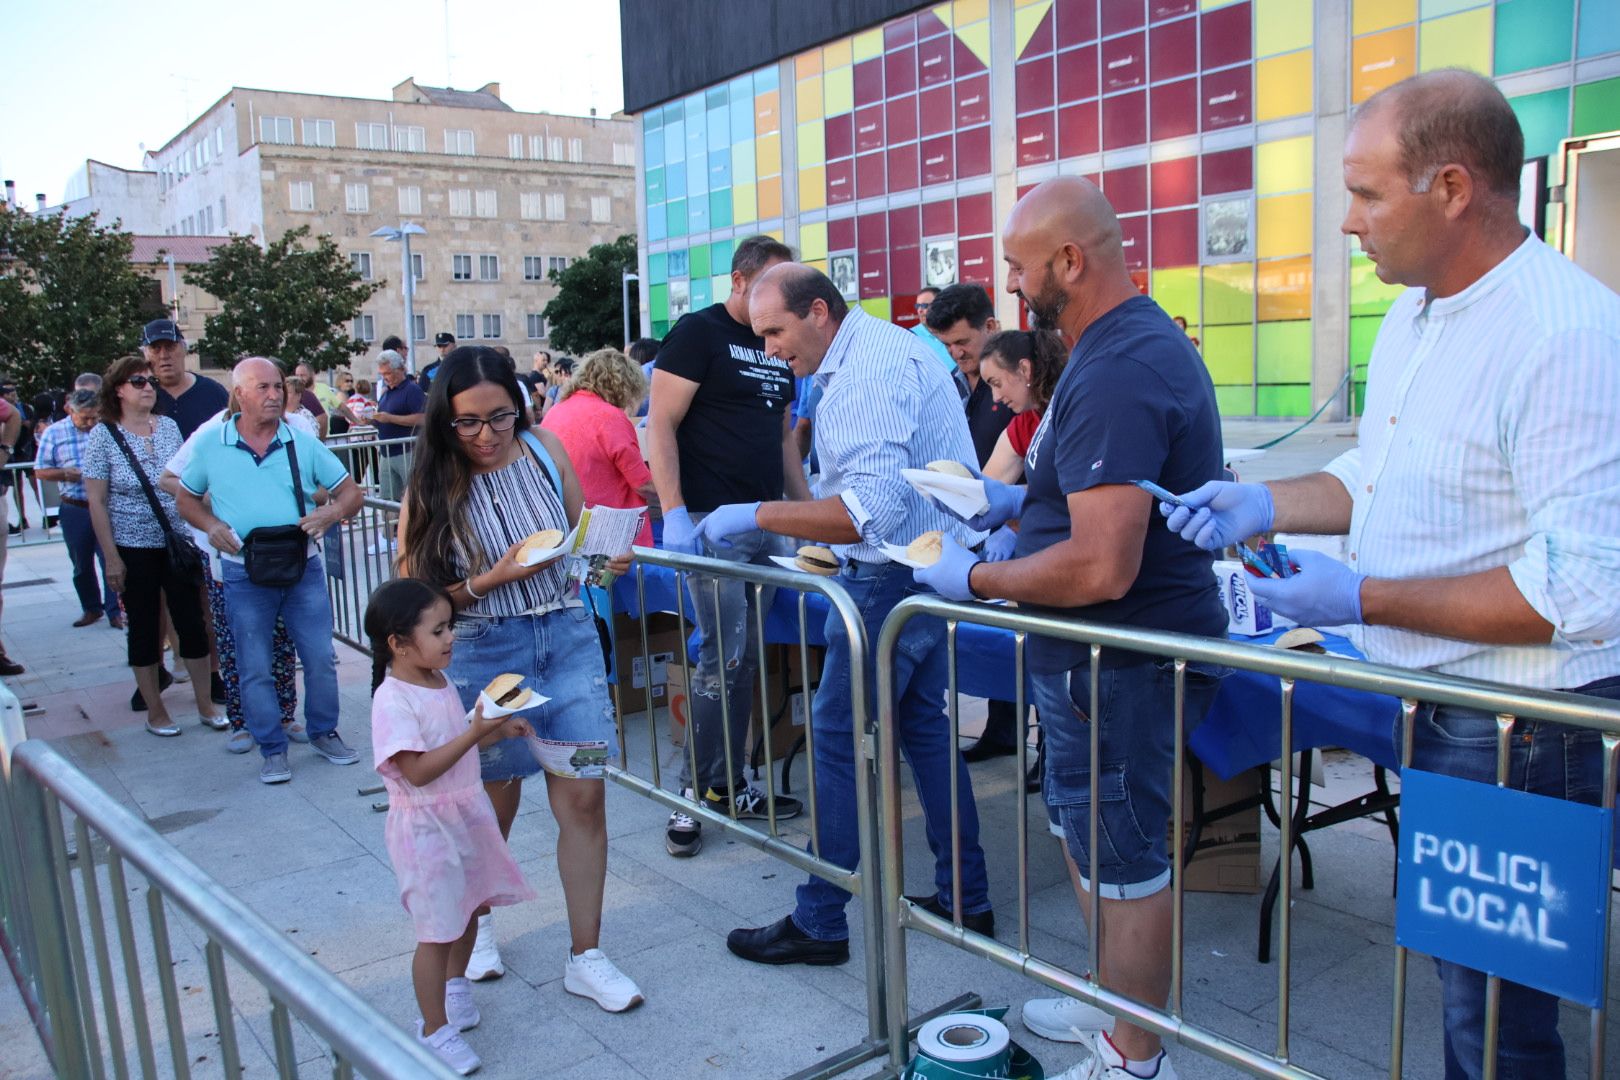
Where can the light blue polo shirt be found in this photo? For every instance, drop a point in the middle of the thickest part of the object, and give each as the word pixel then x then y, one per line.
pixel 250 491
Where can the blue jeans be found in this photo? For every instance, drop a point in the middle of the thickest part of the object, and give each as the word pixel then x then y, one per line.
pixel 730 631
pixel 1546 759
pixel 80 539
pixel 307 614
pixel 924 734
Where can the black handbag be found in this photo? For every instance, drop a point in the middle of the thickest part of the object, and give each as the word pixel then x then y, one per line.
pixel 274 556
pixel 185 561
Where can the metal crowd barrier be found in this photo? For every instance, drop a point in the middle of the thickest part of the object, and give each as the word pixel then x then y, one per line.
pixel 73 993
pixel 45 502
pixel 359 557
pixel 361 453
pixel 1412 687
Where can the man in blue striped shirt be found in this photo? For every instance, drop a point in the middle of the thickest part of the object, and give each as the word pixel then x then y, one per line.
pixel 886 405
pixel 1482 504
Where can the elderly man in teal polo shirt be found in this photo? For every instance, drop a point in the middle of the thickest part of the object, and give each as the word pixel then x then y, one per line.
pixel 246 471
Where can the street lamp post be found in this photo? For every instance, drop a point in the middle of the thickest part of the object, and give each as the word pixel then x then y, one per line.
pixel 625 278
pixel 402 234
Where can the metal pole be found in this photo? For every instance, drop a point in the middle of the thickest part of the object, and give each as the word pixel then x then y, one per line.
pixel 625 278
pixel 410 305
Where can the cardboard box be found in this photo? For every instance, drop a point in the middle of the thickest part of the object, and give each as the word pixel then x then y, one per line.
pixel 1228 855
pixel 679 706
pixel 638 680
pixel 1246 613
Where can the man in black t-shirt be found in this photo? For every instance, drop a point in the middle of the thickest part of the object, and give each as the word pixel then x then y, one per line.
pixel 184 397
pixel 1134 403
pixel 720 430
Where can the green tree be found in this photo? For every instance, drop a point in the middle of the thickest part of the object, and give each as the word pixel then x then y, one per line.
pixel 588 311
pixel 289 301
pixel 70 300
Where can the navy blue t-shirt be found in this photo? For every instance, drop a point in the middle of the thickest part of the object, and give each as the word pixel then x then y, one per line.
pixel 406 399
pixel 1134 403
pixel 203 400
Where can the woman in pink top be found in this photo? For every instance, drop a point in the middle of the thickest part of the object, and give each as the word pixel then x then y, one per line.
pixel 592 418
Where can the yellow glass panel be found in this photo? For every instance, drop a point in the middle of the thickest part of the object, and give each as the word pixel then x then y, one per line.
pixel 1373 15
pixel 812 239
pixel 879 306
pixel 1027 3
pixel 1380 60
pixel 942 12
pixel 813 187
pixel 1462 40
pixel 744 204
pixel 1229 294
pixel 1229 354
pixel 977 38
pixel 1025 21
pixel 808 98
pixel 770 197
pixel 1283 223
pixel 868 43
pixel 1176 290
pixel 768 155
pixel 807 64
pixel 838 91
pixel 1207 4
pixel 970 11
pixel 1284 165
pixel 812 143
pixel 777 234
pixel 767 112
pixel 836 54
pixel 1284 85
pixel 1285 289
pixel 817 264
pixel 1281 26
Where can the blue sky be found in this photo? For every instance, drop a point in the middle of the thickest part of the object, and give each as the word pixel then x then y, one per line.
pixel 96 78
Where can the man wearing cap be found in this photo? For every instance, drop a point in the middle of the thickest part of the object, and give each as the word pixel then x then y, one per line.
pixel 184 397
pixel 61 453
pixel 400 405
pixel 444 342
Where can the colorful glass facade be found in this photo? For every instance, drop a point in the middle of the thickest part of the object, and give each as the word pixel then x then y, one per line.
pixel 885 156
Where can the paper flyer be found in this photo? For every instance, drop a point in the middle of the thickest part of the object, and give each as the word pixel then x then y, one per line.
pixel 569 760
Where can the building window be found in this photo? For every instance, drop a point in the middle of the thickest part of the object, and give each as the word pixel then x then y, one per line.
pixel 554 148
pixel 365 328
pixel 556 206
pixel 417 268
pixel 489 268
pixel 576 149
pixel 357 198
pixel 538 330
pixel 623 154
pixel 601 208
pixel 410 139
pixel 368 136
pixel 361 262
pixel 460 269
pixel 530 207
pixel 419 327
pixel 537 147
pixel 205 217
pixel 534 268
pixel 203 154
pixel 300 195
pixel 219 140
pixel 556 265
pixel 410 200
pixel 222 225
pixel 484 202
pixel 460 202
pixel 492 327
pixel 276 129
pixel 466 327
pixel 318 133
pixel 458 141
pixel 514 147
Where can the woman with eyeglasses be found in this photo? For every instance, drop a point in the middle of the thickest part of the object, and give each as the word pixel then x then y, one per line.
pixel 482 482
pixel 135 542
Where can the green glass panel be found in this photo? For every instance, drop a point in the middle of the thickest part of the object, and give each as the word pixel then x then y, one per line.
pixel 660 327
pixel 702 294
pixel 1284 400
pixel 1545 120
pixel 1235 400
pixel 1533 33
pixel 700 261
pixel 1229 354
pixel 1368 295
pixel 1431 9
pixel 1283 351
pixel 658 302
pixel 720 256
pixel 720 209
pixel 657 268
pixel 742 162
pixel 677 217
pixel 1229 294
pixel 1176 290
pixel 877 306
pixel 1597 108
pixel 1363 331
pixel 1600 28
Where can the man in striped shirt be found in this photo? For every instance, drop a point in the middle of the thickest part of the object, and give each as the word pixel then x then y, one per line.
pixel 1482 504
pixel 887 404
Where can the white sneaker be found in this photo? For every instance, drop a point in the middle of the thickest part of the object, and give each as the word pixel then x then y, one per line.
pixel 1065 1019
pixel 1107 1063
pixel 485 962
pixel 592 975
pixel 450 1047
pixel 459 1007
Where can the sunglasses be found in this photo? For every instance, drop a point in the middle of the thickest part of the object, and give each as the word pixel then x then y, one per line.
pixel 141 382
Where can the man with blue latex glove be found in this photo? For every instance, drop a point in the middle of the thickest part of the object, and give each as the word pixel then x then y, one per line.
pixel 719 431
pixel 724 522
pixel 1218 514
pixel 1322 592
pixel 949 576
pixel 1000 544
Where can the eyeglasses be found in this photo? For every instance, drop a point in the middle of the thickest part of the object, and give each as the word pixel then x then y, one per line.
pixel 141 382
pixel 468 427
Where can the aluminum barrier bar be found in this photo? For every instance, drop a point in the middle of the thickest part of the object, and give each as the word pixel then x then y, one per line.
pixel 1508 704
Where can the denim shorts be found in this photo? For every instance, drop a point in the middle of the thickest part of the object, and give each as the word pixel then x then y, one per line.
pixel 1137 738
pixel 559 656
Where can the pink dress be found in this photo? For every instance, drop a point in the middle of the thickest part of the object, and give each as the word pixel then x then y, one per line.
pixel 447 850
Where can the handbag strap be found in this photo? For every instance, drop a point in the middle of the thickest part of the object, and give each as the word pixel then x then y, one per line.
pixel 140 474
pixel 292 463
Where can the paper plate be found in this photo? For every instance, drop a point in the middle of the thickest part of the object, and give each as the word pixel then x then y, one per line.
pixel 787 562
pixel 898 554
pixel 493 710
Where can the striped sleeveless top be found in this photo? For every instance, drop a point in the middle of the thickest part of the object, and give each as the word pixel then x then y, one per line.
pixel 504 507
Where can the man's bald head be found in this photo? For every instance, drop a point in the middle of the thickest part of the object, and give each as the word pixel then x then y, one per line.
pixel 254 369
pixel 1064 253
pixel 1453 117
pixel 1070 210
pixel 797 310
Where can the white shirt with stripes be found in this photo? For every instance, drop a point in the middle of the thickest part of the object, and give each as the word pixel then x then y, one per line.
pixel 887 404
pixel 1491 437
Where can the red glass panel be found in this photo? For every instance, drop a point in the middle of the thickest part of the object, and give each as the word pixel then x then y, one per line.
pixel 905 271
pixel 936 111
pixel 1175 49
pixel 868 128
pixel 1077 73
pixel 1124 120
pixel 928 24
pixel 1226 98
pixel 1036 138
pixel 1032 80
pixel 1041 40
pixel 1228 170
pixel 934 61
pixel 840 234
pixel 938 160
pixel 966 60
pixel 840 135
pixel 1175 183
pixel 902 31
pixel 1175 238
pixel 1124 62
pixel 975 215
pixel 1127 189
pixel 1121 15
pixel 872 234
pixel 903 167
pixel 900 119
pixel 939 218
pixel 1174 109
pixel 1078 129
pixel 869 177
pixel 972 101
pixel 1134 239
pixel 900 71
pixel 840 181
pixel 869 81
pixel 976 261
pixel 1076 21
pixel 874 275
pixel 973 152
pixel 905 227
pixel 1169 9
pixel 1227 36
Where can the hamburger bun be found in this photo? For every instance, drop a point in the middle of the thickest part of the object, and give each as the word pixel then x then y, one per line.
pixel 927 548
pixel 951 468
pixel 544 540
pixel 506 690
pixel 815 559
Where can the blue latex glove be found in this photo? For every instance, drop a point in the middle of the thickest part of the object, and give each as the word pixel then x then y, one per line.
pixel 1006 504
pixel 680 535
pixel 1219 514
pixel 999 546
pixel 949 576
pixel 1323 592
pixel 724 522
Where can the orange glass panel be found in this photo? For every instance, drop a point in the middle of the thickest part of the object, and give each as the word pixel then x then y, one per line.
pixel 767 112
pixel 1380 60
pixel 770 197
pixel 1285 289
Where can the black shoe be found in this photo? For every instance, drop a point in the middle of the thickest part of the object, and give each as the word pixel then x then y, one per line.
pixel 784 943
pixel 216 688
pixel 13 530
pixel 8 666
pixel 983 751
pixel 982 923
pixel 137 703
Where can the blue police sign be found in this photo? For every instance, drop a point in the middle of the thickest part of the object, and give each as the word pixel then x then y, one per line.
pixel 1505 882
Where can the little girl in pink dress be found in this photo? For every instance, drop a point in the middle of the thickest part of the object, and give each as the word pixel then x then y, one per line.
pixel 441 832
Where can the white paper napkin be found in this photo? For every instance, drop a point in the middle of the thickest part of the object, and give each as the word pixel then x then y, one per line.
pixel 493 710
pixel 963 496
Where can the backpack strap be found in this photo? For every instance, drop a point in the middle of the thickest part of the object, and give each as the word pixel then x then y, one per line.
pixel 544 456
